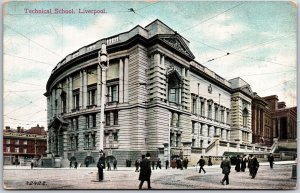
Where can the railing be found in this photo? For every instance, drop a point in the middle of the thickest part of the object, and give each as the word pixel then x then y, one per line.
pixel 213 144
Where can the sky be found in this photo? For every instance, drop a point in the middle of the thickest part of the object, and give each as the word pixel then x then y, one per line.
pixel 260 37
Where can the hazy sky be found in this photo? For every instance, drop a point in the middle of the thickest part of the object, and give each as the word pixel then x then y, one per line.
pixel 260 37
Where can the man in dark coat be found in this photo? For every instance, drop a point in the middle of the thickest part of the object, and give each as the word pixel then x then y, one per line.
pixel 243 163
pixel 75 165
pixel 254 167
pixel 238 163
pixel 158 164
pixel 101 165
pixel 226 166
pixel 115 164
pixel 153 164
pixel 201 163
pixel 185 162
pixel 145 171
pixel 271 160
pixel 167 164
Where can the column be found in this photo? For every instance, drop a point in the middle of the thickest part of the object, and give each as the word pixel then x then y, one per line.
pixel 126 80
pixel 84 89
pixel 70 94
pixel 48 144
pixel 163 60
pixel 156 59
pixel 121 81
pixel 81 91
pixel 258 122
pixel 99 83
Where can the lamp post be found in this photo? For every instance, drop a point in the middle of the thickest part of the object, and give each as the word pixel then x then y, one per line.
pixel 103 61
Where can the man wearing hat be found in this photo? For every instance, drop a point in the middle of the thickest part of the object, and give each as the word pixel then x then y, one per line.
pixel 145 171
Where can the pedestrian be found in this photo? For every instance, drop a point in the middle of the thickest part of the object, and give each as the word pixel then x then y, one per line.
pixel 173 163
pixel 86 163
pixel 167 164
pixel 238 164
pixel 145 171
pixel 158 164
pixel 209 163
pixel 185 162
pixel 127 162
pixel 75 164
pixel 250 161
pixel 115 164
pixel 101 165
pixel 271 160
pixel 32 163
pixel 108 166
pixel 201 163
pixel 71 164
pixel 254 167
pixel 226 166
pixel 243 163
pixel 16 162
pixel 153 164
pixel 137 165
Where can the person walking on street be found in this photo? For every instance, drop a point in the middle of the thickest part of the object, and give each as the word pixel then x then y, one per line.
pixel 115 164
pixel 71 164
pixel 167 164
pixel 209 161
pixel 250 163
pixel 153 164
pixel 226 166
pixel 158 164
pixel 238 164
pixel 185 162
pixel 254 167
pixel 145 171
pixel 101 165
pixel 75 165
pixel 137 165
pixel 271 160
pixel 243 163
pixel 32 163
pixel 201 163
pixel 173 163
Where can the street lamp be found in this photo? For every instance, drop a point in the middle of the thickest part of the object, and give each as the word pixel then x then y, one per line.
pixel 103 61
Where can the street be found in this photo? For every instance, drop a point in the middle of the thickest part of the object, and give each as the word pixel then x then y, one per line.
pixel 126 178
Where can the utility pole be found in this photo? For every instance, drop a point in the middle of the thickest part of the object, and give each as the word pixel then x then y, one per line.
pixel 103 61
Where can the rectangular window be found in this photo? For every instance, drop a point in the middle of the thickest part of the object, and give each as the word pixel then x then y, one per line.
pixel 94 117
pixel 17 142
pixel 193 126
pixel 201 143
pixel 7 141
pixel 227 117
pixel 114 93
pixel 216 114
pixel 92 97
pixel 173 95
pixel 7 149
pixel 209 111
pixel 115 137
pixel 86 141
pixel 93 140
pixel 222 116
pixel 24 150
pixel 193 142
pixel 87 121
pixel 76 142
pixel 202 109
pixel 194 106
pixel 201 129
pixel 72 124
pixel 76 99
pixel 107 118
pixel 76 123
pixel 116 117
pixel 25 142
pixel 16 150
pixel 63 102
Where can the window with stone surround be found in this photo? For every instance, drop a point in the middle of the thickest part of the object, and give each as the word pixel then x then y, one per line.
pixel 245 117
pixel 87 121
pixel 63 102
pixel 209 111
pixel 202 113
pixel 173 86
pixel 86 141
pixel 193 126
pixel 194 106
pixel 222 116
pixel 228 117
pixel 76 96
pixel 94 119
pixel 107 118
pixel 116 117
pixel 92 90
pixel 216 114
pixel 113 93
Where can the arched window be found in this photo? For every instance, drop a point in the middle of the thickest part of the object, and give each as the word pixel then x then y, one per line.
pixel 245 117
pixel 173 87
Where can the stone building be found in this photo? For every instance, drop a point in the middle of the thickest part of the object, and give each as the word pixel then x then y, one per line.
pixel 157 96
pixel 23 144
pixel 262 130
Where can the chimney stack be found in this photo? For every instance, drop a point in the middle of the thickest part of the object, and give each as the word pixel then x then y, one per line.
pixel 19 129
pixel 7 128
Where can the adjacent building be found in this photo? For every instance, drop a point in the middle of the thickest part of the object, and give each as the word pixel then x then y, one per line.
pixel 23 144
pixel 158 100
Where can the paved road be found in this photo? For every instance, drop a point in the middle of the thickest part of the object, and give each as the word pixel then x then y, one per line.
pixel 126 178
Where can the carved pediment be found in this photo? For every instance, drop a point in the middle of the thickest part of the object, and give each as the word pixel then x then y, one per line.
pixel 176 42
pixel 247 90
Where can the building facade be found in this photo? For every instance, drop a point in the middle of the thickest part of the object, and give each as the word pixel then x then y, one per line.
pixel 158 100
pixel 262 130
pixel 23 144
